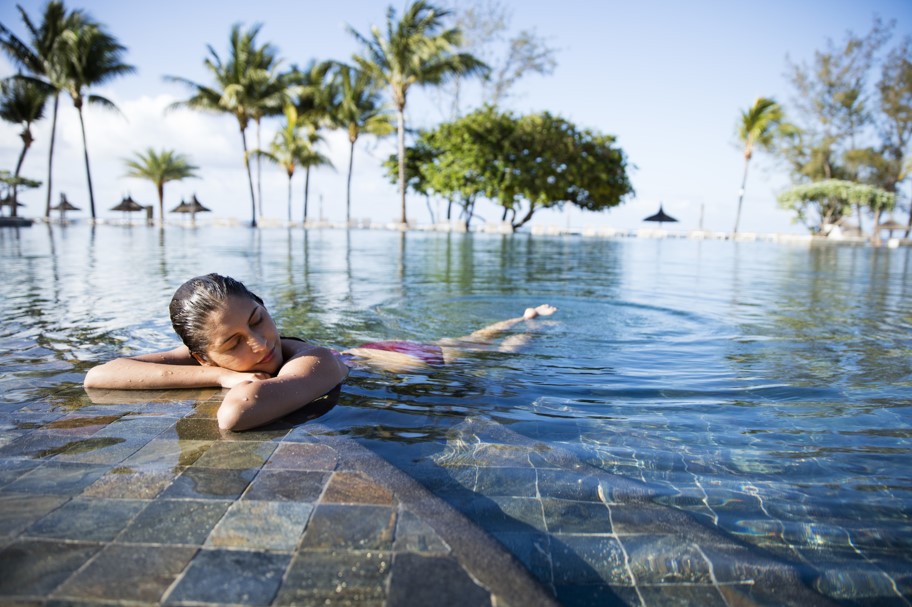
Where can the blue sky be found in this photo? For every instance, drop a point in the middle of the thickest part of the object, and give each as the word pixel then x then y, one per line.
pixel 667 78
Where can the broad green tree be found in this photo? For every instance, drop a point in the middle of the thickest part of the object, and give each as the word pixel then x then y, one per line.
pixel 91 57
pixel 833 99
pixel 236 88
pixel 357 109
pixel 824 203
pixel 758 127
pixel 160 167
pixel 22 102
pixel 416 49
pixel 42 58
pixel 524 164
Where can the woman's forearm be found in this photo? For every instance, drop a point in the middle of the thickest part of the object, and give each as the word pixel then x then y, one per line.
pixel 130 374
pixel 301 381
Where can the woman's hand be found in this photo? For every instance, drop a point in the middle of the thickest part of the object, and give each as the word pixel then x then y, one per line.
pixel 230 379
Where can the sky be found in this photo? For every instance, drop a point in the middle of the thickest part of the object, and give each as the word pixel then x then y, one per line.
pixel 667 78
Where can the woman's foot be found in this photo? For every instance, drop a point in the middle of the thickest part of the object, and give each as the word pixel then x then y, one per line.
pixel 542 310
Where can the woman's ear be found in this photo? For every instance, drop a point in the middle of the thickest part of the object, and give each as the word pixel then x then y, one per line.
pixel 201 359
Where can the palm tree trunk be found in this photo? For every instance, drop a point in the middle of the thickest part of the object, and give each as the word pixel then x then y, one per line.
pixel 741 193
pixel 161 203
pixel 289 199
pixel 47 208
pixel 306 191
pixel 875 237
pixel 253 220
pixel 909 224
pixel 26 138
pixel 400 115
pixel 348 191
pixel 85 151
pixel 259 169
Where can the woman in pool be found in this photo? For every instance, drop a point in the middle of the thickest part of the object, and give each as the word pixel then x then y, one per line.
pixel 231 341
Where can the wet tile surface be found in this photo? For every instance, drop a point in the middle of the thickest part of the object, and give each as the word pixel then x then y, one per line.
pixel 120 507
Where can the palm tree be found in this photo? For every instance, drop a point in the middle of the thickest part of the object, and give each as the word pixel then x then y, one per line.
pixel 759 126
pixel 91 57
pixel 43 59
pixel 314 98
pixel 413 51
pixel 237 88
pixel 22 101
pixel 357 109
pixel 288 147
pixel 160 168
pixel 269 95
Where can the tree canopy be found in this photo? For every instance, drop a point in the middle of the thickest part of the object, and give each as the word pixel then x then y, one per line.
pixel 523 164
pixel 822 203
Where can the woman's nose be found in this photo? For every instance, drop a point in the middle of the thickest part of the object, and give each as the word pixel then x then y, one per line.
pixel 257 342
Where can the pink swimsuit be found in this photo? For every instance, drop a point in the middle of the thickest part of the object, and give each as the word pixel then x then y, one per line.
pixel 429 353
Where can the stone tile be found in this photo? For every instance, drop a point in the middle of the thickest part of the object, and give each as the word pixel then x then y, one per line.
pixel 167 454
pixel 433 580
pixel 532 549
pixel 193 429
pixel 257 525
pixel 230 576
pixel 600 595
pixel 355 488
pixel 683 595
pixel 568 485
pixel 80 424
pixel 175 522
pixel 236 454
pixel 665 559
pixel 209 483
pixel 358 527
pixel 37 567
pixel 415 535
pixel 38 445
pixel 515 482
pixel 57 478
pixel 127 483
pixel 508 514
pixel 89 519
pixel 145 426
pixel 302 456
pixel 123 573
pixel 287 485
pixel 588 559
pixel 19 510
pixel 336 578
pixel 102 450
pixel 564 516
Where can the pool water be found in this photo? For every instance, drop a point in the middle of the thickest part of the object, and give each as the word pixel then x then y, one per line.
pixel 725 419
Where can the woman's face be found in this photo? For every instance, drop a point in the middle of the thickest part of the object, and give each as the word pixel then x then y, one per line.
pixel 243 337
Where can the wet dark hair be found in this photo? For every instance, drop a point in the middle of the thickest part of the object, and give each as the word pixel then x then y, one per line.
pixel 195 300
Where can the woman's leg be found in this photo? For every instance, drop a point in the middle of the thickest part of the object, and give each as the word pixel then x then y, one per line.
pixel 482 338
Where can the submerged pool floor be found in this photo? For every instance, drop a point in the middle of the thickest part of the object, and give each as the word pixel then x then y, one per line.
pixel 138 498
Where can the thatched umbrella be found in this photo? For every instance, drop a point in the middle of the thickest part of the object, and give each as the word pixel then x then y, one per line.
pixel 661 217
pixel 63 206
pixel 890 225
pixel 8 202
pixel 193 207
pixel 128 205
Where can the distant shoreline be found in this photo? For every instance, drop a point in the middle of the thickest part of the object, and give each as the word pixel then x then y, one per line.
pixel 459 227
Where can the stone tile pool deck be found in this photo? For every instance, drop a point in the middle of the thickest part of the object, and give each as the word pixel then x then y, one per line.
pixel 137 498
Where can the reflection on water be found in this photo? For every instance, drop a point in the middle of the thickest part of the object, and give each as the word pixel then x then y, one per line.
pixel 762 388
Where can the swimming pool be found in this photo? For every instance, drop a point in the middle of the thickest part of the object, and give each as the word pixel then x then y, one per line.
pixel 701 421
